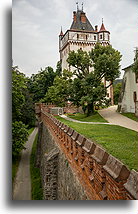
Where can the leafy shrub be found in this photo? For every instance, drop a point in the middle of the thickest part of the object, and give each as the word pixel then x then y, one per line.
pixel 19 137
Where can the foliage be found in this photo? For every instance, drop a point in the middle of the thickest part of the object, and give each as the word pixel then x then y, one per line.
pixel 106 62
pixel 118 141
pixel 59 69
pixel 36 187
pixel 81 61
pixel 59 92
pixel 22 102
pixel 28 109
pixel 117 90
pixel 39 83
pixel 135 65
pixel 18 87
pixel 90 69
pixel 19 137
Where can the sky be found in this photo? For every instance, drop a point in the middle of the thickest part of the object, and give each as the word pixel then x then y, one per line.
pixel 36 25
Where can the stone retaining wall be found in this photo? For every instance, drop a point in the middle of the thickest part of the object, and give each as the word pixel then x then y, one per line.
pixel 81 169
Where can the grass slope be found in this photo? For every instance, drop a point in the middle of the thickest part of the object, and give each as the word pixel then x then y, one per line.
pixel 96 117
pixel 118 141
pixel 37 193
pixel 132 116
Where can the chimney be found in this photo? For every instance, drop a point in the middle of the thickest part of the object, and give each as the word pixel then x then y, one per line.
pixel 83 17
pixel 74 16
pixel 96 28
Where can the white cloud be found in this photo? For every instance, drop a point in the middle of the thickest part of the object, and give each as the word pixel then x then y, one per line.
pixel 36 26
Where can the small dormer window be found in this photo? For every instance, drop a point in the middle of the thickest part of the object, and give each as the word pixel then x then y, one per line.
pixel 94 37
pixel 101 36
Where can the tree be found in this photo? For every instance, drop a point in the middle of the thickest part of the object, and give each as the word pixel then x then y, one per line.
pixel 90 69
pixel 135 65
pixel 40 82
pixel 117 89
pixel 28 109
pixel 106 62
pixel 81 61
pixel 59 93
pixel 19 137
pixel 18 87
pixel 59 69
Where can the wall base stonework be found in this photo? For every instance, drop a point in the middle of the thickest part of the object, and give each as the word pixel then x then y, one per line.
pixel 58 179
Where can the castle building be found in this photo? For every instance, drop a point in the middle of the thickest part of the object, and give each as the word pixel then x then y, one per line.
pixel 82 35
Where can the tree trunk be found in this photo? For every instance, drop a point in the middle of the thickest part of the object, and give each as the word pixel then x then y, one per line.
pixel 90 109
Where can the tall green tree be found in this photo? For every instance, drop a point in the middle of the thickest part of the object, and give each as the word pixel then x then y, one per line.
pixel 40 82
pixel 90 69
pixel 19 129
pixel 117 89
pixel 59 69
pixel 59 93
pixel 18 98
pixel 135 65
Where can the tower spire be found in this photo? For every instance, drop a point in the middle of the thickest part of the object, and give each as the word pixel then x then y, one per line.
pixel 77 6
pixel 102 26
pixel 82 6
pixel 61 32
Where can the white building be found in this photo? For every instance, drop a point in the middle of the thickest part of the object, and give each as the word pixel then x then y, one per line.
pixel 129 94
pixel 82 35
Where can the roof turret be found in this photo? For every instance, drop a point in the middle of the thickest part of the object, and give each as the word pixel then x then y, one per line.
pixel 102 27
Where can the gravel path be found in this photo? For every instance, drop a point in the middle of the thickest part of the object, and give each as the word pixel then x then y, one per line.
pixel 22 186
pixel 114 117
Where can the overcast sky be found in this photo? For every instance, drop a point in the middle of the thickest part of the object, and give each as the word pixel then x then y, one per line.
pixel 37 24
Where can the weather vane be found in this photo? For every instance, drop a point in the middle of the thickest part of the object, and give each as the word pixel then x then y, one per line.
pixel 77 5
pixel 82 6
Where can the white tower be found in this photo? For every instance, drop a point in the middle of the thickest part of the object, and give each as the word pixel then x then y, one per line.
pixel 82 35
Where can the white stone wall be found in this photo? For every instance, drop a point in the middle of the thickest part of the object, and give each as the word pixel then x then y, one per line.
pixel 131 86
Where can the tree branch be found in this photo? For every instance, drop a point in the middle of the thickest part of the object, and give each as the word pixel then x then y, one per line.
pixel 109 85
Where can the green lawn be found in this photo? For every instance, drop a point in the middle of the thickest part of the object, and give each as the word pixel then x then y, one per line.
pixel 36 186
pixel 132 116
pixel 118 141
pixel 96 117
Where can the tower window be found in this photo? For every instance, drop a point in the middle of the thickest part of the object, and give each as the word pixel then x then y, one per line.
pixel 94 37
pixel 86 37
pixel 101 36
pixel 77 36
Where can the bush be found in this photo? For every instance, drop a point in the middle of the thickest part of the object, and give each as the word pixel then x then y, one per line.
pixel 19 137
